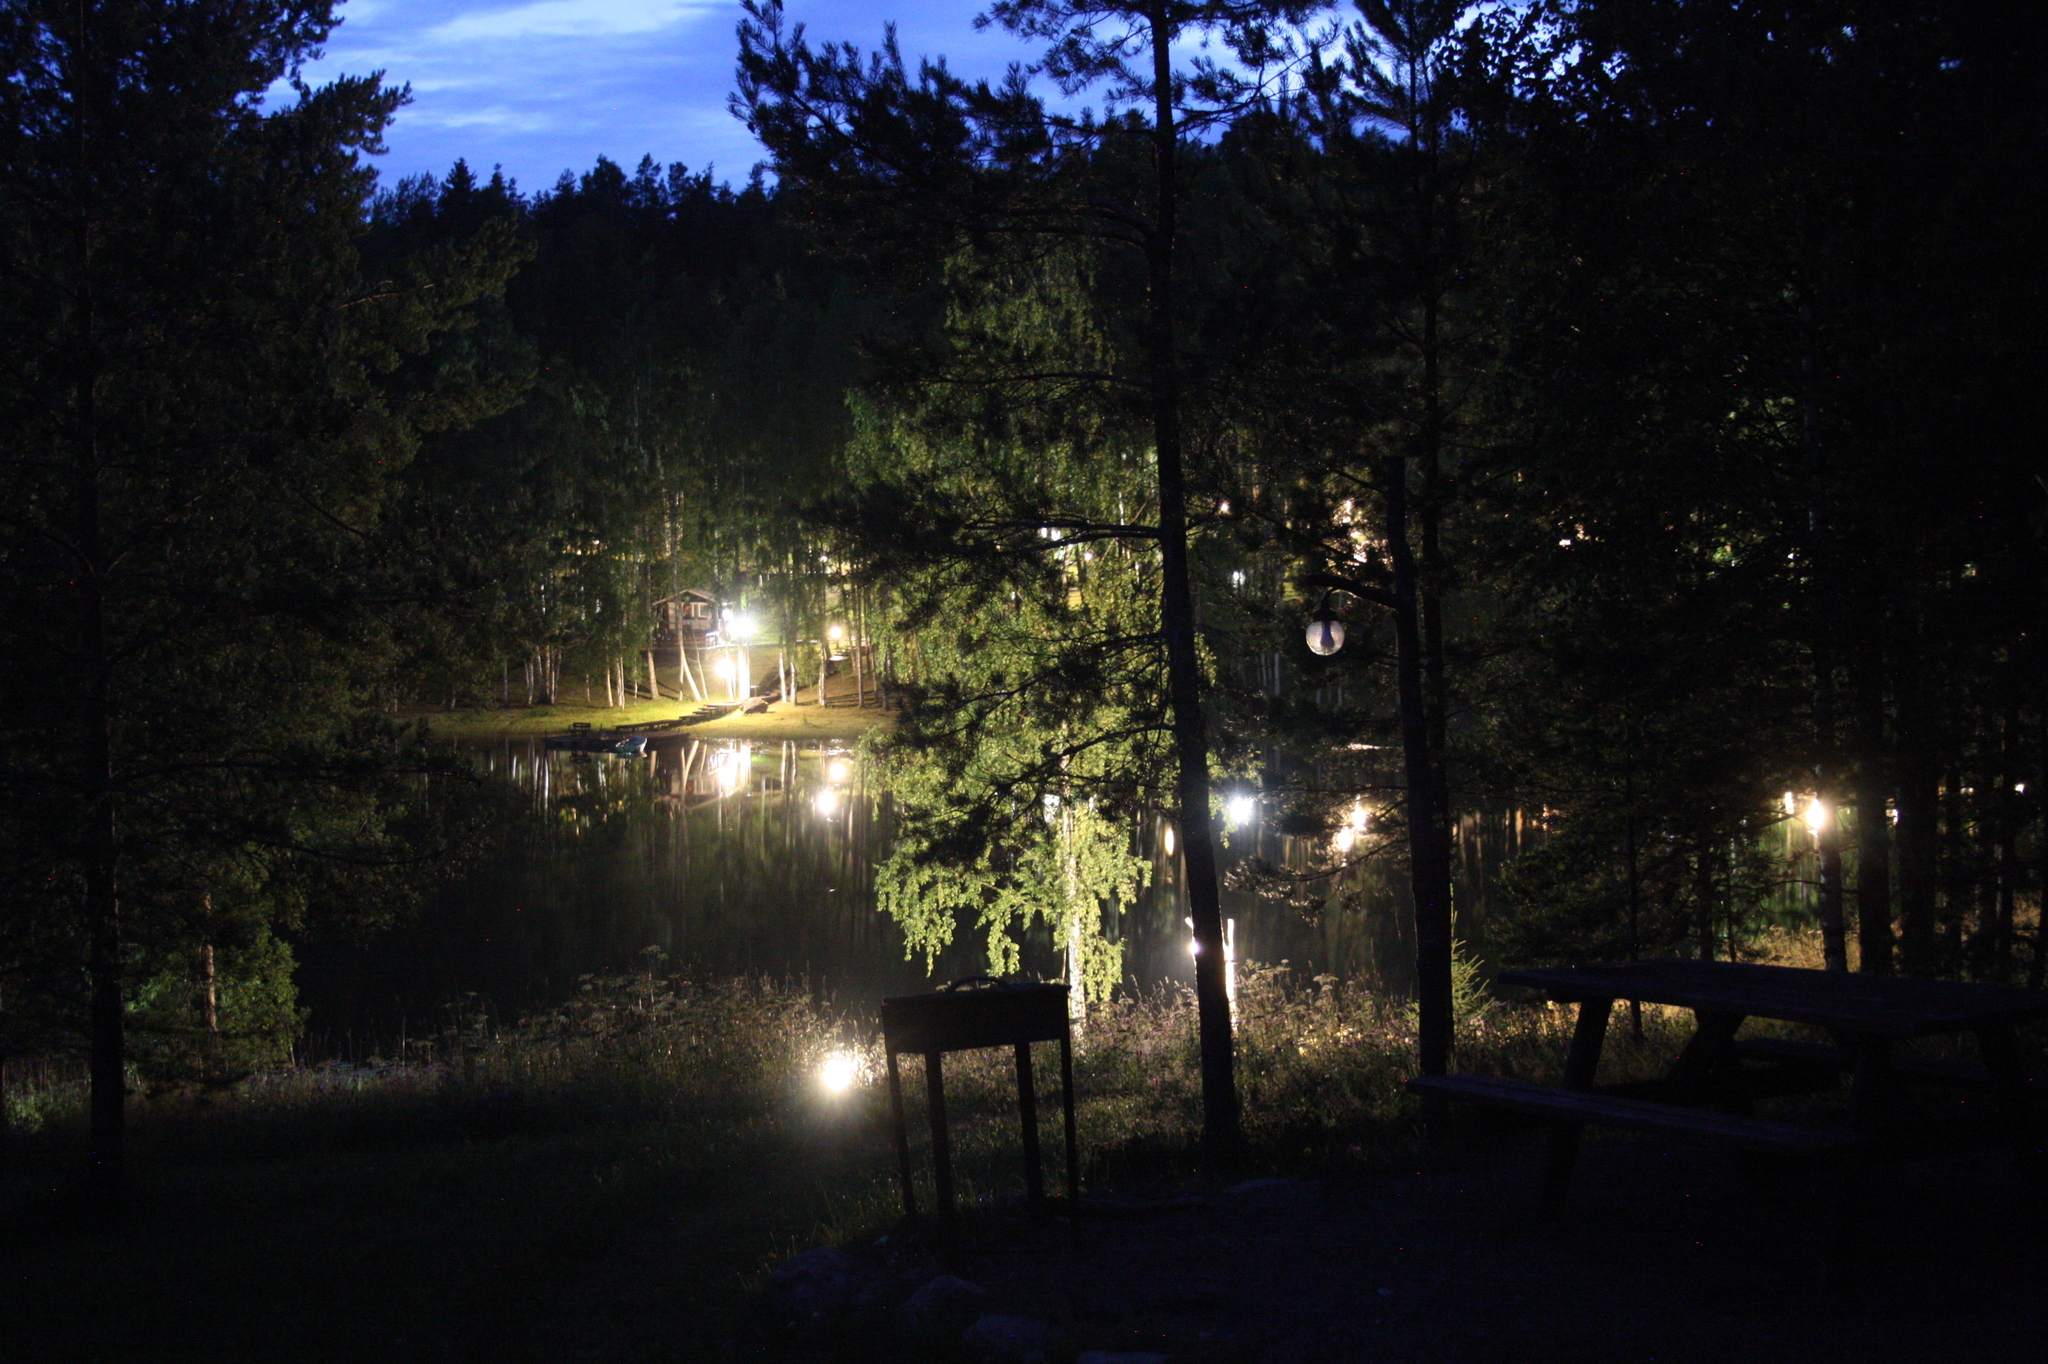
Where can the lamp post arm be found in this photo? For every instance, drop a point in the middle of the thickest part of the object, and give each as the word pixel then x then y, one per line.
pixel 1379 595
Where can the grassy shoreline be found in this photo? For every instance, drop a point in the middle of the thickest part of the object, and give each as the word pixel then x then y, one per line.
pixel 839 719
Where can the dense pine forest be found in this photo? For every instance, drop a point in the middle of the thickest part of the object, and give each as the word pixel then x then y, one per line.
pixel 1641 396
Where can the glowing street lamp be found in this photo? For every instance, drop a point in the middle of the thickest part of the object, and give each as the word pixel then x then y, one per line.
pixel 739 628
pixel 1325 632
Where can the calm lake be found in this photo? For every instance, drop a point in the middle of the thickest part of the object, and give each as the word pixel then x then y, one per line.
pixel 757 859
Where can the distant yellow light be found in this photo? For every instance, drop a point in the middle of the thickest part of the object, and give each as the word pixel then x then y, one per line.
pixel 1166 840
pixel 1354 829
pixel 838 770
pixel 1816 816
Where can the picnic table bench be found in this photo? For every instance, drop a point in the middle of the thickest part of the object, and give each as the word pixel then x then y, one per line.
pixel 1709 1092
pixel 1580 1108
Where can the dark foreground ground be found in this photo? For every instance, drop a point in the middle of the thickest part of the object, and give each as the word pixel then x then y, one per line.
pixel 1668 1257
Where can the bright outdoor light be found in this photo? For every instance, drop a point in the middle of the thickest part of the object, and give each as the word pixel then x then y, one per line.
pixel 1166 840
pixel 1353 830
pixel 1240 810
pixel 739 625
pixel 826 802
pixel 1816 816
pixel 838 770
pixel 839 1072
pixel 835 633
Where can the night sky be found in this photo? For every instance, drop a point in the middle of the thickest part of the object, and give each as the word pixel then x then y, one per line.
pixel 543 86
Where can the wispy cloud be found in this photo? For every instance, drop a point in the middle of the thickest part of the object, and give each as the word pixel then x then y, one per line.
pixel 584 19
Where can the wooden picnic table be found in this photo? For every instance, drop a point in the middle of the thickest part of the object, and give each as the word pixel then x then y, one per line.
pixel 1709 1091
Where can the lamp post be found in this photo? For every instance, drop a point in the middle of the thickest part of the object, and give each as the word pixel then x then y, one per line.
pixel 1429 847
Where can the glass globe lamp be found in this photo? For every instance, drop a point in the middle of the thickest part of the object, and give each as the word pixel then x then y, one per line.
pixel 1325 632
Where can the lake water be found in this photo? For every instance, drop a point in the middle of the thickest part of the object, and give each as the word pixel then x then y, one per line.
pixel 757 859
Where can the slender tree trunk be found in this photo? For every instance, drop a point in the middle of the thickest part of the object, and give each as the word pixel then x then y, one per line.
pixel 1918 832
pixel 859 645
pixel 1826 615
pixel 1070 888
pixel 1873 821
pixel 1703 892
pixel 2005 839
pixel 209 994
pixel 1222 1130
pixel 107 1056
pixel 683 669
pixel 1429 853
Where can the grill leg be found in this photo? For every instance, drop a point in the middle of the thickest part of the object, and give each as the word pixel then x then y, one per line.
pixel 1027 1109
pixel 942 1142
pixel 902 1139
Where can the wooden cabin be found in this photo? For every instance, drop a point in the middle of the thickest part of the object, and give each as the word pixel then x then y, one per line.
pixel 685 619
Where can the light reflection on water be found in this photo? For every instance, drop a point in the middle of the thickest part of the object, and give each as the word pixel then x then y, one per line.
pixel 758 859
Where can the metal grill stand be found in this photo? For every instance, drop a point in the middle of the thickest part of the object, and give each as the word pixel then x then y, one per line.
pixel 967 1015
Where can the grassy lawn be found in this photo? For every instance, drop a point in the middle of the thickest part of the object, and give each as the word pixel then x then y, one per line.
pixel 839 719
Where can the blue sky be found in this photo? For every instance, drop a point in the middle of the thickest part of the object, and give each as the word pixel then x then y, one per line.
pixel 543 86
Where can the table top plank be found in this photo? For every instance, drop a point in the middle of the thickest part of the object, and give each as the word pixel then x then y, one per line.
pixel 1868 1005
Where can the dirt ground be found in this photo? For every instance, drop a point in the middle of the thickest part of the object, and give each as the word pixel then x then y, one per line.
pixel 1663 1256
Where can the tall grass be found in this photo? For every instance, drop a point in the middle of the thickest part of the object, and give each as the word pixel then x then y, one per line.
pixel 626 1162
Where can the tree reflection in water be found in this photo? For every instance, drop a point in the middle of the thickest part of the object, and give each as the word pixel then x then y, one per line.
pixel 757 859
pixel 733 859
